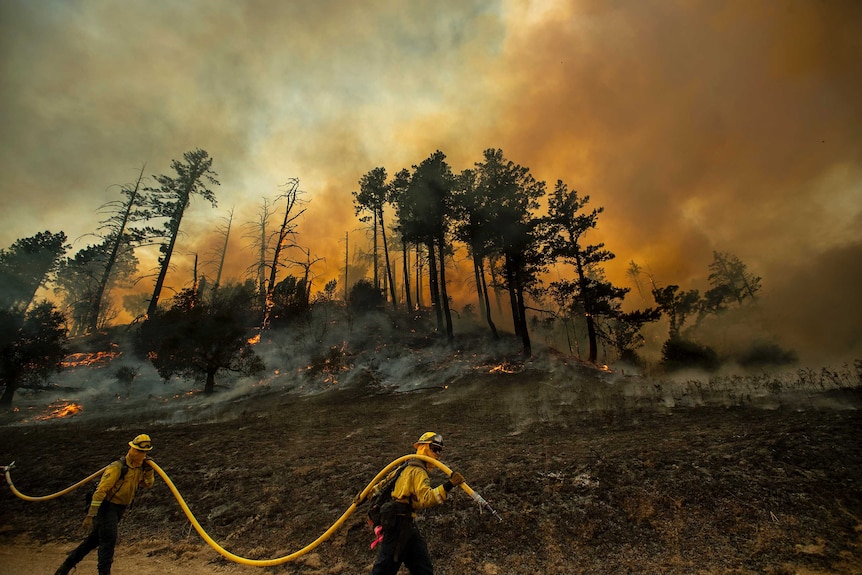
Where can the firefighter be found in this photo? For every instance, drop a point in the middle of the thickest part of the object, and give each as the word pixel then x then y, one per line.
pixel 413 491
pixel 113 496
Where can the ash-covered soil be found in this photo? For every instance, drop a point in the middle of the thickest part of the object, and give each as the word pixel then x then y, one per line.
pixel 592 473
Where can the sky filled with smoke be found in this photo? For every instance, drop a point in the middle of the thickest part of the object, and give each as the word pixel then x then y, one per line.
pixel 699 126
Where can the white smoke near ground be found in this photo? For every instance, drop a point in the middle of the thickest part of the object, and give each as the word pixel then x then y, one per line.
pixel 366 356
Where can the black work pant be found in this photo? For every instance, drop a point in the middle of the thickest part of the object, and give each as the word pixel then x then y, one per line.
pixel 103 536
pixel 406 547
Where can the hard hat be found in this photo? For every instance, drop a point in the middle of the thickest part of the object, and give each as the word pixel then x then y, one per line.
pixel 142 442
pixel 430 437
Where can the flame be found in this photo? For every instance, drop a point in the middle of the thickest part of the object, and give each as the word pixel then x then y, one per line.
pixel 60 409
pixel 254 340
pixel 89 359
pixel 503 368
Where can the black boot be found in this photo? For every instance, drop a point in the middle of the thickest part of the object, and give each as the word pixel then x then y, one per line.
pixel 64 569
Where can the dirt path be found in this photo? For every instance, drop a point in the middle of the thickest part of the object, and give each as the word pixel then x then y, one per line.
pixel 33 558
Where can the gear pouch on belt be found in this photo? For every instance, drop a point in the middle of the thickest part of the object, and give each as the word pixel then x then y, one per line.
pixel 394 515
pixel 389 515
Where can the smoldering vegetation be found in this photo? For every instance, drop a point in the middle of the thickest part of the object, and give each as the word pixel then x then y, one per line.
pixel 112 382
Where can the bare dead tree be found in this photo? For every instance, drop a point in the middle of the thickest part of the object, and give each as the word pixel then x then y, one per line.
pixel 124 213
pixel 306 266
pixel 221 253
pixel 259 235
pixel 290 195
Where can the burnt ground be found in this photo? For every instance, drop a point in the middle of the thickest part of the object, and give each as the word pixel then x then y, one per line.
pixel 592 473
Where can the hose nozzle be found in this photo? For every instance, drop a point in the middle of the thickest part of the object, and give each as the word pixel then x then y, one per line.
pixel 482 503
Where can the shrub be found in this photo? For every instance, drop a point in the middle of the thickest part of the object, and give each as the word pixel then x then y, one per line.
pixel 679 353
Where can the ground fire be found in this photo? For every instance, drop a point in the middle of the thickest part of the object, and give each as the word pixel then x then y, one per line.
pixel 90 359
pixel 60 409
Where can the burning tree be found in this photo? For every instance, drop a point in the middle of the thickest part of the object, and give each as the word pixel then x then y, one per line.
pixel 199 336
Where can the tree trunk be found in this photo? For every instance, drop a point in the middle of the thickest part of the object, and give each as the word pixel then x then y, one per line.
pixel 513 297
pixel 96 306
pixel 525 332
pixel 374 255
pixel 480 294
pixel 591 335
pixel 8 392
pixel 484 288
pixel 406 262
pixel 418 275
pixel 163 271
pixel 209 386
pixel 261 265
pixel 388 267
pixel 223 251
pixel 444 295
pixel 586 300
pixel 432 279
pixel 496 289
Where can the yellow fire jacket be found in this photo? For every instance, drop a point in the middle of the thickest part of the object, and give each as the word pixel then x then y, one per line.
pixel 414 487
pixel 124 493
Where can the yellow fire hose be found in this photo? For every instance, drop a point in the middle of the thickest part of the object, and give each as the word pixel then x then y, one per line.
pixel 358 500
pixel 9 467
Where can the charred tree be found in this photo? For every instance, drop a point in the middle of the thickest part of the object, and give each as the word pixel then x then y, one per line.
pixel 287 230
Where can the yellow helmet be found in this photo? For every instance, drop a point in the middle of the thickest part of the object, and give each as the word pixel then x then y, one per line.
pixel 430 437
pixel 142 442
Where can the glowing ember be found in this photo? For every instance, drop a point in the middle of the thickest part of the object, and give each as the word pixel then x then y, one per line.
pixel 503 368
pixel 254 340
pixel 85 359
pixel 60 409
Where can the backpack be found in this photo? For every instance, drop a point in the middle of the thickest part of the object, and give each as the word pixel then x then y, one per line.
pixel 88 496
pixel 382 496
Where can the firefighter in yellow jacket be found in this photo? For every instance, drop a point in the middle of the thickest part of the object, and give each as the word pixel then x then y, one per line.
pixel 403 543
pixel 115 493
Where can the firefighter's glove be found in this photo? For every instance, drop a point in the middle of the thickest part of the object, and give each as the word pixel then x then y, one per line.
pixel 87 525
pixel 454 480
